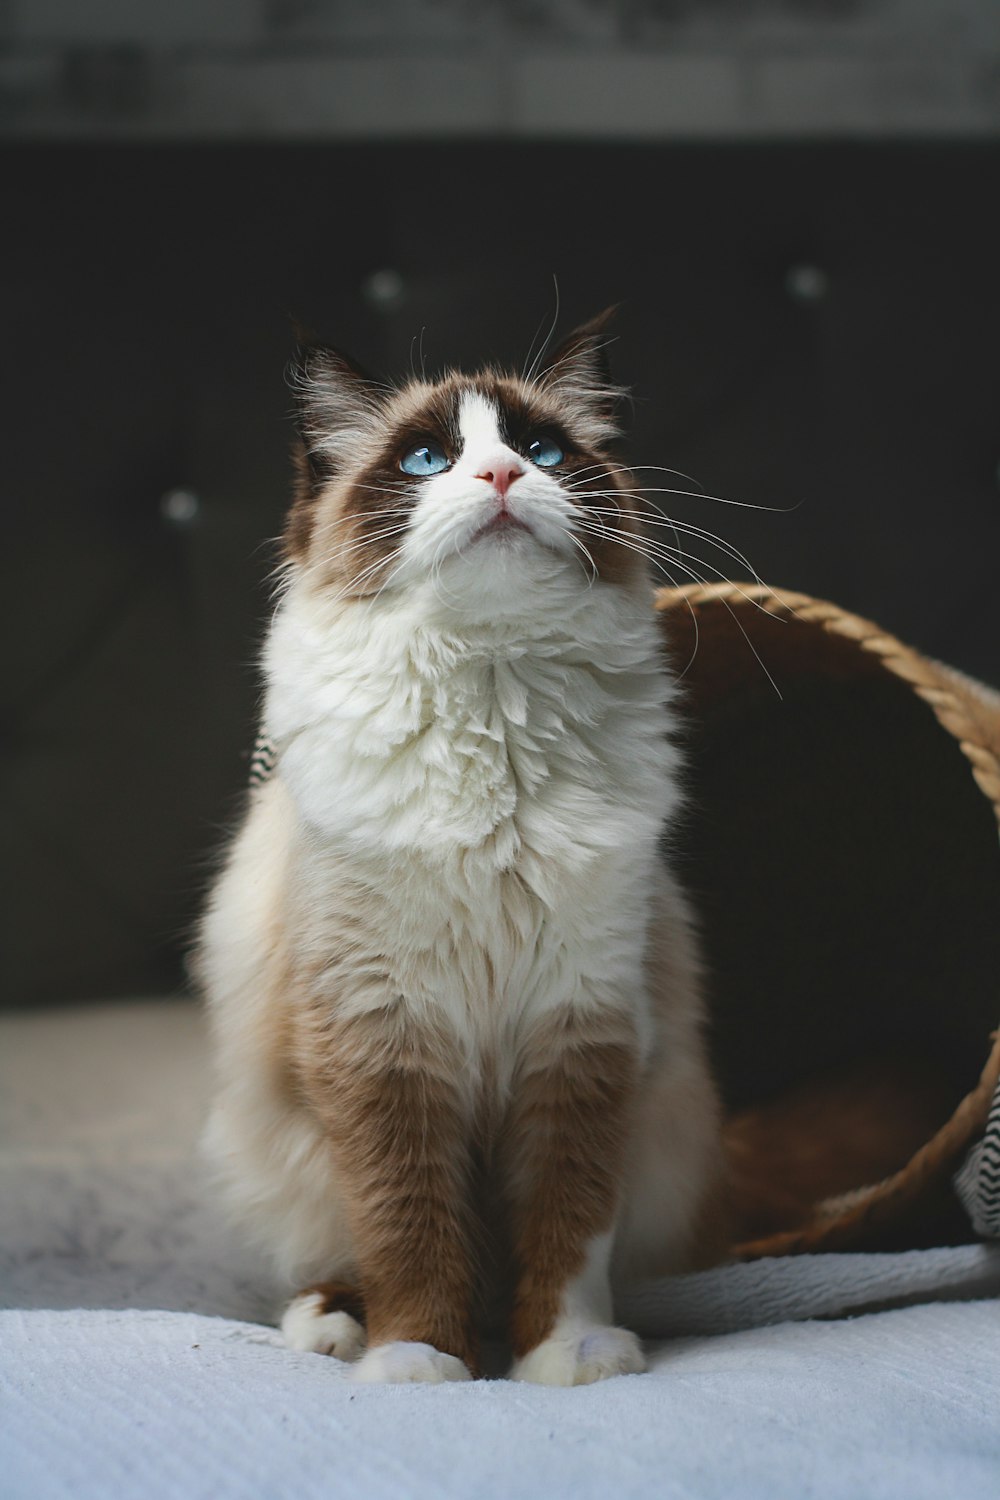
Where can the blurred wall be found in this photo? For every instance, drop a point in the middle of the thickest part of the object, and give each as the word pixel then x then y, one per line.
pixel 362 69
pixel 796 204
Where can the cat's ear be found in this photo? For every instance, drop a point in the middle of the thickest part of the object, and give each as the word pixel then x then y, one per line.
pixel 578 375
pixel 337 408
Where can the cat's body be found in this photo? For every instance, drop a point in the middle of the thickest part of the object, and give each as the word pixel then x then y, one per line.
pixel 454 988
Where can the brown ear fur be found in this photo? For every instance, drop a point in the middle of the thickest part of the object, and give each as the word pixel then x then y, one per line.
pixel 334 398
pixel 579 375
pixel 589 343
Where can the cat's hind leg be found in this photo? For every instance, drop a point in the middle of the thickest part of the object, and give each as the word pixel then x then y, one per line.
pixel 326 1319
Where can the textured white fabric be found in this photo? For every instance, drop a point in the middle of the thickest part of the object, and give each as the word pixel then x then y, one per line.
pixel 171 1406
pixel 114 1383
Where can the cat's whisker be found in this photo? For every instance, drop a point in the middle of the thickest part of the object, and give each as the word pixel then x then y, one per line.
pixel 435 576
pixel 400 523
pixel 675 561
pixel 414 342
pixel 619 513
pixel 361 538
pixel 592 511
pixel 532 370
pixel 283 570
pixel 350 589
pixel 612 469
pixel 690 529
pixel 437 563
pixel 697 531
pixel 593 566
pixel 655 549
pixel 697 640
pixel 531 348
pixel 697 494
pixel 725 547
pixel 630 469
pixel 374 598
pixel 627 539
pixel 575 474
pixel 367 541
pixel 391 487
pixel 633 544
pixel 680 474
pixel 779 510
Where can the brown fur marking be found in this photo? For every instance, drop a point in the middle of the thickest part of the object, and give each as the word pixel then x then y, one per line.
pixel 565 1149
pixel 384 1091
pixel 337 1296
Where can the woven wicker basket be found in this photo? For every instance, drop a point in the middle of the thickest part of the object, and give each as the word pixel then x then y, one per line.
pixel 842 847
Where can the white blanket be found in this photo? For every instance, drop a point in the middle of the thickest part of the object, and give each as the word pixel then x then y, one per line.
pixel 173 1406
pixel 113 1382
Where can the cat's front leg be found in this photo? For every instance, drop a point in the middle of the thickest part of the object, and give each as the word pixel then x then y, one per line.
pixel 386 1089
pixel 565 1149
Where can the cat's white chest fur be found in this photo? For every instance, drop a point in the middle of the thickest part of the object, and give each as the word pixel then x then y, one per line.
pixel 497 795
pixel 396 733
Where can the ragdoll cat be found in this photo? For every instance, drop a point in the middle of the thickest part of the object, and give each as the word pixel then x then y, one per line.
pixel 453 984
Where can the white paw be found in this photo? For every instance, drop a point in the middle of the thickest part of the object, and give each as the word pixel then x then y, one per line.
pixel 581 1355
pixel 306 1327
pixel 399 1362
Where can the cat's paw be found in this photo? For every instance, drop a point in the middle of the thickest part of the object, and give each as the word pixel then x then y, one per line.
pixel 306 1327
pixel 580 1356
pixel 400 1362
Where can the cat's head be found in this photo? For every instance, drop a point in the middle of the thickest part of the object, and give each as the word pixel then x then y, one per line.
pixel 479 486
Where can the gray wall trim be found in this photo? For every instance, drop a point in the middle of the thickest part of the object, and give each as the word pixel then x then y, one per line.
pixel 129 93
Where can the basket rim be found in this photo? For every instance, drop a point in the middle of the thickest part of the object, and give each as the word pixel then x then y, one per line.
pixel 924 675
pixel 835 1222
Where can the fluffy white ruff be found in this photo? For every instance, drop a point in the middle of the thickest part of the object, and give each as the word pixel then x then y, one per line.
pixel 404 1363
pixel 307 1329
pixel 580 1355
pixel 401 731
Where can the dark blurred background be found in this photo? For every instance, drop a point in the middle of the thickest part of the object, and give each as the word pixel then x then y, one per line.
pixel 795 201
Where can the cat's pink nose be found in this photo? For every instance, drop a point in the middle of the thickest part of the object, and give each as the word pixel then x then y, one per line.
pixel 501 474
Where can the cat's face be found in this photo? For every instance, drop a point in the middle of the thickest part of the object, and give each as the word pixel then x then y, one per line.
pixel 479 485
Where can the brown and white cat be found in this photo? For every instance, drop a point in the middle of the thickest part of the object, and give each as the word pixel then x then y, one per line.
pixel 453 985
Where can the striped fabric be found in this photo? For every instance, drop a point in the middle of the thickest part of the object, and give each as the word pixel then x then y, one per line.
pixel 978 1182
pixel 262 761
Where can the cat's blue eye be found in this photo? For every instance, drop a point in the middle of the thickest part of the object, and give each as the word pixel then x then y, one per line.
pixel 427 458
pixel 544 452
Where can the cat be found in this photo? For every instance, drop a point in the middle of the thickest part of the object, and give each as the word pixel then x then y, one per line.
pixel 453 984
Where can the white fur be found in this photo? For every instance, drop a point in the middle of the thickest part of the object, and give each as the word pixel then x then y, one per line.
pixel 479 424
pixel 474 769
pixel 305 1327
pixel 400 1363
pixel 581 1355
pixel 587 1298
pixel 582 1347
